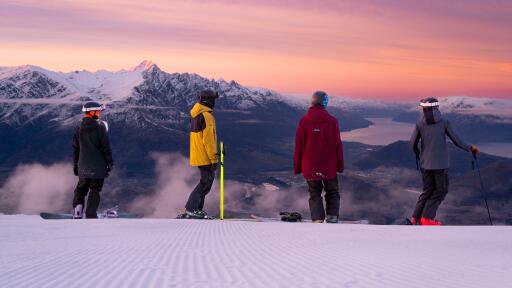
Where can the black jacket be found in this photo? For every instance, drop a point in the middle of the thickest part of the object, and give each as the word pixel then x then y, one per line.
pixel 91 149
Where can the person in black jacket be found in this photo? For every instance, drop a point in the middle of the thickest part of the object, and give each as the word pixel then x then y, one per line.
pixel 92 158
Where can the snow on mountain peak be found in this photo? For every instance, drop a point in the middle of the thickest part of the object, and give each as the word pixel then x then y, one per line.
pixel 144 66
pixel 474 105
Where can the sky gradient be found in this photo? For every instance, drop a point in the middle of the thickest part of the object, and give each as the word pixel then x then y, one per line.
pixel 365 49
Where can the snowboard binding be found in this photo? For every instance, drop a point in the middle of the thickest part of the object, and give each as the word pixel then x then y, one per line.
pixel 111 212
pixel 291 217
pixel 198 214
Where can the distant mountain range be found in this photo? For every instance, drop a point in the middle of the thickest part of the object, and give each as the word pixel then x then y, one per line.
pixel 148 111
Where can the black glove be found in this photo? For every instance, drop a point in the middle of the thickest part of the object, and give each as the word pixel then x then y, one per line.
pixel 109 169
pixel 474 151
pixel 215 166
pixel 75 170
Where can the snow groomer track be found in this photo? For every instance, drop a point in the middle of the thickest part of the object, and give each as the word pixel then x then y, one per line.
pixel 196 253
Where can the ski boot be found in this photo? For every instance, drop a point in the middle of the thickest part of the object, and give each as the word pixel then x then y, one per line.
pixel 291 217
pixel 430 222
pixel 78 211
pixel 333 219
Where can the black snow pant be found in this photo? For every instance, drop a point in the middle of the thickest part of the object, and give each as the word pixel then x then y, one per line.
pixel 435 188
pixel 332 198
pixel 93 188
pixel 196 198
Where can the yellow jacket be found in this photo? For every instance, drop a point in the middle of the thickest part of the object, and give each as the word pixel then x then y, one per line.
pixel 203 136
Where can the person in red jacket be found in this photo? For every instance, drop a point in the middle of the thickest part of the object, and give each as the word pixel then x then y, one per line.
pixel 319 157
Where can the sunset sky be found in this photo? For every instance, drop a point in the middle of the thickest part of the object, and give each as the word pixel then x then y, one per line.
pixel 366 49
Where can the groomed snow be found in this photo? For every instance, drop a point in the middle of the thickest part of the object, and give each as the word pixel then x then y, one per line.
pixel 190 253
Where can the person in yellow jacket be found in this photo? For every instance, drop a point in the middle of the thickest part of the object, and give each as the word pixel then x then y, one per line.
pixel 203 151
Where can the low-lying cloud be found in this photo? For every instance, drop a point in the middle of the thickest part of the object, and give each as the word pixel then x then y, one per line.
pixel 176 179
pixel 34 188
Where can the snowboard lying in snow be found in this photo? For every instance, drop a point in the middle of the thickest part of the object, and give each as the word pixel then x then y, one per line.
pixel 265 219
pixel 111 213
pixel 61 216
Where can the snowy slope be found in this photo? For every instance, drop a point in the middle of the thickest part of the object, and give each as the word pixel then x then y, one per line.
pixel 181 253
pixel 105 85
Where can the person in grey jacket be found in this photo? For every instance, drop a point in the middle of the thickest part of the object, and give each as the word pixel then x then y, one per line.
pixel 92 159
pixel 430 132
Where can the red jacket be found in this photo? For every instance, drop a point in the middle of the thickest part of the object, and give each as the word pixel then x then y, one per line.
pixel 318 149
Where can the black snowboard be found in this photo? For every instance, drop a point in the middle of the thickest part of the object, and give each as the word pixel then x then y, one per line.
pixel 265 219
pixel 63 216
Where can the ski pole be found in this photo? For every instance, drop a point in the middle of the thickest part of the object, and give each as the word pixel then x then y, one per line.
pixel 484 192
pixel 221 210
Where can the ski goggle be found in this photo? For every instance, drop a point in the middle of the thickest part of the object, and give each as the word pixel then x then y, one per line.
pixel 89 109
pixel 426 104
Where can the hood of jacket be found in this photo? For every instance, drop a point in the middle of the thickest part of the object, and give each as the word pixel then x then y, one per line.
pixel 198 109
pixel 89 124
pixel 317 114
pixel 430 116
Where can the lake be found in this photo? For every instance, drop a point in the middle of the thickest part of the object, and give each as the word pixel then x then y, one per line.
pixel 386 131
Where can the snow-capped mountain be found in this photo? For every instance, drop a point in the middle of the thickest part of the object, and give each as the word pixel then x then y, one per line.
pixel 146 86
pixel 32 82
pixel 148 110
pixel 477 106
pixel 492 109
pixel 347 103
pixel 148 98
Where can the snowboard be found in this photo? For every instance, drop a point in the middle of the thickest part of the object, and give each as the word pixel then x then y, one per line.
pixel 182 214
pixel 106 214
pixel 63 216
pixel 266 219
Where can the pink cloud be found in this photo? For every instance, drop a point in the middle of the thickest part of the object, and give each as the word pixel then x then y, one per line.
pixel 361 48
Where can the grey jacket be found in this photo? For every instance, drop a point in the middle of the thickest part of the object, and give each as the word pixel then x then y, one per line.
pixel 91 149
pixel 433 153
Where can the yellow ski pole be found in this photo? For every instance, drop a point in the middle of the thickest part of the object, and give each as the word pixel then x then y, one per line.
pixel 221 180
